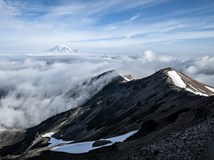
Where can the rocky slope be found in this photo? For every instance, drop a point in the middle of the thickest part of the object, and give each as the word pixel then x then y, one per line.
pixel 172 114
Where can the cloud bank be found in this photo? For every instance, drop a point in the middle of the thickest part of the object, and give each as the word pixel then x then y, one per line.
pixel 33 89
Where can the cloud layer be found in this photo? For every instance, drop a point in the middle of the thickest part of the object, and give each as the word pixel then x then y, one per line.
pixel 35 88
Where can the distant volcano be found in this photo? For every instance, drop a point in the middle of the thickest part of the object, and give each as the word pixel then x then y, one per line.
pixel 63 49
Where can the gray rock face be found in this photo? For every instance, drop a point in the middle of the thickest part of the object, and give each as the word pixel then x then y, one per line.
pixel 173 123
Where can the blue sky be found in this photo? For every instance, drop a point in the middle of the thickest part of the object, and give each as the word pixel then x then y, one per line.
pixel 113 26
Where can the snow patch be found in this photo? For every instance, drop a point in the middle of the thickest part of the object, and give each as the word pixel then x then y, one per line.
pixel 84 147
pixel 53 141
pixel 211 89
pixel 49 134
pixel 176 79
pixel 196 92
pixel 98 103
pixel 122 137
pixel 127 78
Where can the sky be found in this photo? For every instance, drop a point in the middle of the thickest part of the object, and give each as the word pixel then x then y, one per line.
pixel 177 27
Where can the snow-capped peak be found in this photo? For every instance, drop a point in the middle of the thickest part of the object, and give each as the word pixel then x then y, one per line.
pixel 63 49
pixel 182 81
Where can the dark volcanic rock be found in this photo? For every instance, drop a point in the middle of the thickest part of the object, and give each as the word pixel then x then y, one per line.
pixel 100 143
pixel 172 123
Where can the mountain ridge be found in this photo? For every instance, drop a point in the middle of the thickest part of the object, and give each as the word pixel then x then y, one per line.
pixel 153 104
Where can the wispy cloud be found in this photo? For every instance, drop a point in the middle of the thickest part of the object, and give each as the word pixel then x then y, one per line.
pixel 134 17
pixel 99 23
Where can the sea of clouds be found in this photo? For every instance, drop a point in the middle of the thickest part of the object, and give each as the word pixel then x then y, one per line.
pixel 34 88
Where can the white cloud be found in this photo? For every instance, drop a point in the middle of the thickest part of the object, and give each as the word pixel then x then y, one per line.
pixel 8 10
pixel 202 66
pixel 202 69
pixel 35 88
pixel 134 17
pixel 149 56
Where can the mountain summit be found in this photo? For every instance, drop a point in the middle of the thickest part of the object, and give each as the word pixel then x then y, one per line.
pixel 183 82
pixel 63 49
